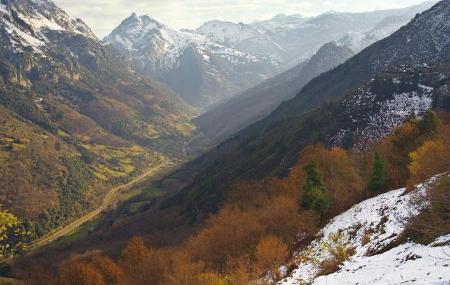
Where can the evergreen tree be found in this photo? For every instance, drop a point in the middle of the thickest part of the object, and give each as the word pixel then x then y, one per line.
pixel 378 181
pixel 315 196
pixel 429 123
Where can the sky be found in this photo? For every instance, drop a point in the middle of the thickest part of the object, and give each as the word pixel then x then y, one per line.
pixel 104 15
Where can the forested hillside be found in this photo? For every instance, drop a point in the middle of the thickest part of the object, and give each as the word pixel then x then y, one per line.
pixel 270 146
pixel 264 224
pixel 74 118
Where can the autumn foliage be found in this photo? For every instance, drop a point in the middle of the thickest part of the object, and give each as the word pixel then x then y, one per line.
pixel 434 220
pixel 261 223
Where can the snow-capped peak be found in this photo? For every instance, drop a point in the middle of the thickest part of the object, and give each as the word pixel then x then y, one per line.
pixel 133 30
pixel 143 20
pixel 44 14
pixel 26 23
pixel 144 35
pixel 160 51
pixel 227 32
pixel 284 17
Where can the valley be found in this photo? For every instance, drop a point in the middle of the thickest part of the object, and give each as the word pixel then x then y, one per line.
pixel 114 195
pixel 287 150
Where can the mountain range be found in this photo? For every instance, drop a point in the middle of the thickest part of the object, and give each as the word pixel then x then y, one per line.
pixel 220 59
pixel 200 70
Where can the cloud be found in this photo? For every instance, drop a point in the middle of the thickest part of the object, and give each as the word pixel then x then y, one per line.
pixel 104 15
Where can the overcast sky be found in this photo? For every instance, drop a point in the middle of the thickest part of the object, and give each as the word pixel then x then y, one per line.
pixel 103 15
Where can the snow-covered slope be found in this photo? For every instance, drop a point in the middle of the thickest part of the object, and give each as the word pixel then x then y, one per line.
pixel 253 39
pixel 227 32
pixel 370 228
pixel 375 109
pixel 200 69
pixel 281 22
pixel 409 263
pixel 26 23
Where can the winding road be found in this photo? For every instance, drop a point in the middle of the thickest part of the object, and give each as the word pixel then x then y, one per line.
pixel 109 200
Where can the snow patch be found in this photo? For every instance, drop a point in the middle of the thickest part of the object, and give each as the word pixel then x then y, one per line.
pixel 3 9
pixel 406 264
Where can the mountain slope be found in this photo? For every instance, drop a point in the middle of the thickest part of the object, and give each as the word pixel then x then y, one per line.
pixel 424 40
pixel 357 41
pixel 258 102
pixel 75 118
pixel 38 50
pixel 372 228
pixel 370 112
pixel 412 44
pixel 271 146
pixel 200 70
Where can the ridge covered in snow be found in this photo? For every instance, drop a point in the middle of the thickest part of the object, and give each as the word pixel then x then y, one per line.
pixel 370 228
pixel 227 32
pixel 26 23
pixel 142 34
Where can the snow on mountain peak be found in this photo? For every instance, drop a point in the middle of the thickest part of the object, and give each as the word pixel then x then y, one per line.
pixel 227 32
pixel 283 17
pixel 144 35
pixel 28 22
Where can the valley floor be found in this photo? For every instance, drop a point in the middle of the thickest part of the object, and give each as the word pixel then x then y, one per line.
pixel 112 197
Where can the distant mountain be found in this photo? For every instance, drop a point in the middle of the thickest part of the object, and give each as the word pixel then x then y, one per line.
pixel 227 32
pixel 202 71
pixel 364 98
pixel 208 65
pixel 292 39
pixel 282 22
pixel 74 117
pixel 358 41
pixel 258 102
